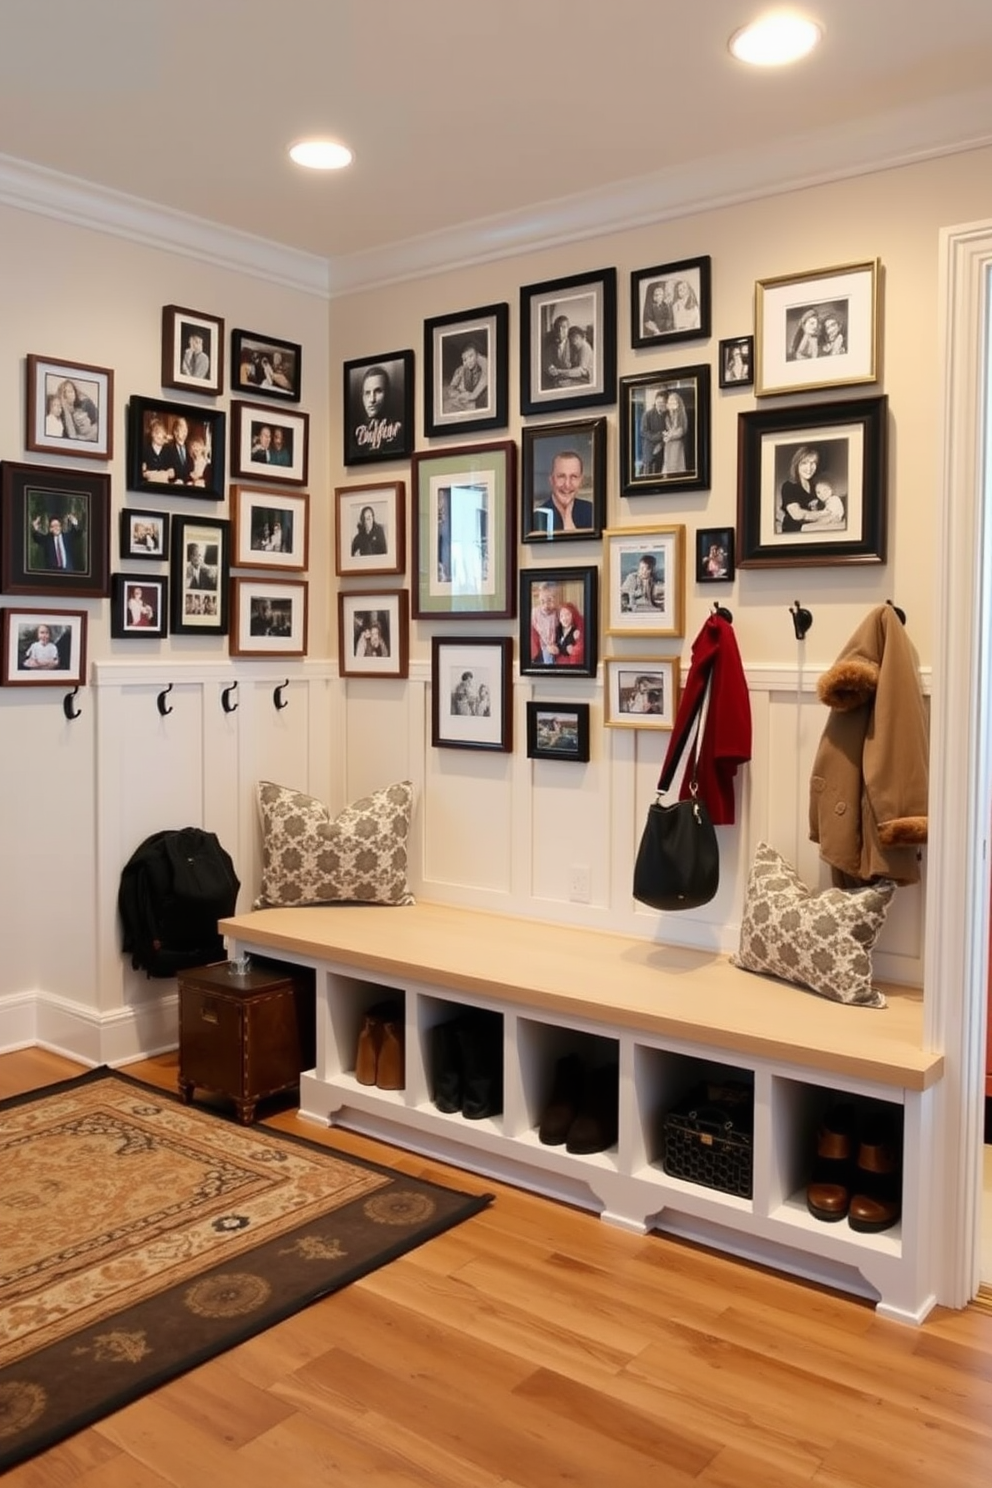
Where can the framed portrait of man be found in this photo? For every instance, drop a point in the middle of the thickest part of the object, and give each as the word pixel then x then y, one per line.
pixel 563 484
pixel 378 408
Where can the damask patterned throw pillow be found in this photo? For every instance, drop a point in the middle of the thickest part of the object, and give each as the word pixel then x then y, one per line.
pixel 312 857
pixel 820 941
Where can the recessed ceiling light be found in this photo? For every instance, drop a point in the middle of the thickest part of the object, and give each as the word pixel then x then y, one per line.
pixel 320 154
pixel 780 37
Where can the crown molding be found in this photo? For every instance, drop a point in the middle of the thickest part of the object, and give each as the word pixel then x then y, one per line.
pixel 34 188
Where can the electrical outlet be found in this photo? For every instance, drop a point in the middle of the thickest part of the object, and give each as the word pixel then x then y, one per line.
pixel 579 885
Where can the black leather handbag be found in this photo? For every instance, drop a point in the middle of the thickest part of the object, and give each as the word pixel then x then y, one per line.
pixel 678 861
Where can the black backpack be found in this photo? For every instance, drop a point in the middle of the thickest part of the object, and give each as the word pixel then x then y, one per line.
pixel 174 888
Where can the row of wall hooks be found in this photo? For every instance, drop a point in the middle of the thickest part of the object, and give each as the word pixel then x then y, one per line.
pixel 165 708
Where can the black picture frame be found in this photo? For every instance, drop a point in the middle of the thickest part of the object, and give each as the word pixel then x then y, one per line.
pixel 677 316
pixel 553 452
pixel 715 555
pixel 154 464
pixel 566 646
pixel 139 606
pixel 44 509
pixel 192 350
pixel 466 371
pixel 559 373
pixel 651 461
pixel 736 364
pixel 850 440
pixel 143 536
pixel 199 602
pixel 266 367
pixel 270 445
pixel 378 408
pixel 472 693
pixel 558 731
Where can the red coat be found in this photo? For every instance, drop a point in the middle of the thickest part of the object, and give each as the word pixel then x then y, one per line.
pixel 726 742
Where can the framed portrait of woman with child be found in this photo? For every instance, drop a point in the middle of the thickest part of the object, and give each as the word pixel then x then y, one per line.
pixel 559 622
pixel 817 330
pixel 70 409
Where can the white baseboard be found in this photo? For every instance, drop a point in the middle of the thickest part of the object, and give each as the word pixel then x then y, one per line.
pixel 69 1028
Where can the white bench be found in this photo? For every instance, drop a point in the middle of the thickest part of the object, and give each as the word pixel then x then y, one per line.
pixel 672 1017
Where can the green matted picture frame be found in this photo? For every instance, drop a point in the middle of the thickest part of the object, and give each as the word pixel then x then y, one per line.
pixel 464 541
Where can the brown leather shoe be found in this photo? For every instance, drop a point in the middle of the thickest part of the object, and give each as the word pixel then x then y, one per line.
pixel 828 1194
pixel 390 1073
pixel 876 1198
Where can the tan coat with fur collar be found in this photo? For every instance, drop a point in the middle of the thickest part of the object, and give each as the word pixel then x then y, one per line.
pixel 868 789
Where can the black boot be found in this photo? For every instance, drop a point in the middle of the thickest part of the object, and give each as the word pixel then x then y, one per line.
pixel 596 1126
pixel 566 1098
pixel 480 1040
pixel 446 1068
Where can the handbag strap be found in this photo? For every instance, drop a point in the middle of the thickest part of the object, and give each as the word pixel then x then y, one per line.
pixel 695 729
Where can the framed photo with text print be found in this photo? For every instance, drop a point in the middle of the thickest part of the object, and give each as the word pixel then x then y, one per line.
pixel 378 408
pixel 139 607
pixel 559 622
pixel 264 367
pixel 70 409
pixel 269 444
pixel 269 617
pixel 373 633
pixel 199 572
pixel 144 535
pixel 192 350
pixel 568 342
pixel 471 683
pixel 641 691
pixel 817 330
pixel 175 447
pixel 670 303
pixel 714 555
pixel 737 362
pixel 54 531
pixel 370 528
pixel 665 431
pixel 645 581
pixel 464 533
pixel 466 371
pixel 563 481
pixel 812 485
pixel 558 731
pixel 44 648
pixel 269 529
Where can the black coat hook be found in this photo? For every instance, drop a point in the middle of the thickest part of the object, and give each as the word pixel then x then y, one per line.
pixel 723 613
pixel 899 612
pixel 225 699
pixel 67 708
pixel 802 620
pixel 277 696
pixel 163 706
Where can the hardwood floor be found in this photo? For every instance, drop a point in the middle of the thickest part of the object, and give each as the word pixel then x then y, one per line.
pixel 533 1346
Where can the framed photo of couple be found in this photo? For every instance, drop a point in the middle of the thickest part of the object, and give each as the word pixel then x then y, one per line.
pixel 269 444
pixel 373 633
pixel 466 375
pixel 270 529
pixel 670 303
pixel 817 330
pixel 471 684
pixel 665 431
pixel 568 342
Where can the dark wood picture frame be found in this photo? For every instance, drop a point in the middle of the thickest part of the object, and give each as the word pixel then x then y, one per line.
pixel 83 427
pixel 192 350
pixel 466 371
pixel 559 372
pixel 378 408
pixel 464 518
pixel 139 606
pixel 199 600
pixel 266 367
pixel 472 693
pixel 665 446
pixel 269 617
pixel 364 545
pixel 269 444
pixel 670 303
pixel 554 643
pixel 374 633
pixel 270 529
pixel 57 659
pixel 153 462
pixel 40 504
pixel 558 731
pixel 845 520
pixel 573 453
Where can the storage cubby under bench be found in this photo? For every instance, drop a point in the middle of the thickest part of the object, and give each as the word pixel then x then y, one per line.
pixel 671 1017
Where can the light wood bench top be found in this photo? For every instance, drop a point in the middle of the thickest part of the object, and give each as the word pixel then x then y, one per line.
pixel 694 996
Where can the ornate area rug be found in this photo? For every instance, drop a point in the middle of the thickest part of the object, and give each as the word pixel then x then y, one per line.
pixel 140 1237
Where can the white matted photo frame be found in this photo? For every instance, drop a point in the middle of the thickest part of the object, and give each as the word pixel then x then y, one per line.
pixel 270 444
pixel 466 371
pixel 374 633
pixel 70 408
pixel 139 606
pixel 558 731
pixel 192 350
pixel 370 528
pixel 812 485
pixel 270 529
pixel 464 532
pixel 670 303
pixel 43 648
pixel 199 570
pixel 471 681
pixel 568 342
pixel 641 691
pixel 645 580
pixel 144 535
pixel 268 617
pixel 819 329
pixel 563 481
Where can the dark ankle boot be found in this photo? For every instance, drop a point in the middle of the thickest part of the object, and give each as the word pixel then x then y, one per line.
pixel 480 1042
pixel 595 1128
pixel 563 1107
pixel 446 1068
pixel 828 1195
pixel 876 1185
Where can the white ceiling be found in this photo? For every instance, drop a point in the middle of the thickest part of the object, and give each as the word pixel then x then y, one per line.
pixel 459 110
